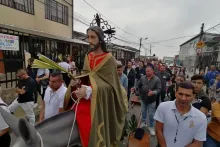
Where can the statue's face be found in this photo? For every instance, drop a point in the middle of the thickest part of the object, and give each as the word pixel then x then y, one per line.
pixel 93 40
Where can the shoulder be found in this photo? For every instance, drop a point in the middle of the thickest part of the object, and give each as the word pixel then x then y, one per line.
pixel 31 80
pixel 200 117
pixel 157 72
pixel 124 76
pixel 62 90
pixel 166 105
pixel 206 102
pixel 215 106
pixel 156 78
pixel 142 78
pixel 48 89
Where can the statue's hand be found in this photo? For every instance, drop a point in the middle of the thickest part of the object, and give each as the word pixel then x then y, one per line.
pixel 81 92
pixel 74 82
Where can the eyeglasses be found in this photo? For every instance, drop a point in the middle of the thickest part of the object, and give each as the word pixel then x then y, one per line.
pixel 175 139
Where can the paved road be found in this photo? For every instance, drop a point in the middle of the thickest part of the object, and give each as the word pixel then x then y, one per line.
pixel 136 111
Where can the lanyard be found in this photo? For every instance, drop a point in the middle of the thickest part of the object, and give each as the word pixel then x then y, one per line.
pixel 175 140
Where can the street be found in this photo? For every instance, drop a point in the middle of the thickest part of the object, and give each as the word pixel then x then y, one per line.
pixel 135 110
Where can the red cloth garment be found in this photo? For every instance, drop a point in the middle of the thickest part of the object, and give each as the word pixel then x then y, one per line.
pixel 83 114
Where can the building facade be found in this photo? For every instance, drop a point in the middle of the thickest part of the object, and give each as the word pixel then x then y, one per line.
pixel 40 26
pixel 209 55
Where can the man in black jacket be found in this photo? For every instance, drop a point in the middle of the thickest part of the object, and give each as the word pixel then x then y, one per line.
pixel 164 78
pixel 130 73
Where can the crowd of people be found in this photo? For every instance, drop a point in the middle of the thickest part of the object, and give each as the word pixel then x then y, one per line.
pixel 180 112
pixel 34 83
pixel 192 106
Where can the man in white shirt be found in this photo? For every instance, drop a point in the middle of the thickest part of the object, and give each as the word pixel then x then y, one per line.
pixel 178 123
pixel 54 97
pixel 5 138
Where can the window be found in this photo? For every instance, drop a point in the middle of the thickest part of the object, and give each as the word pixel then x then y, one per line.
pixel 56 12
pixel 22 5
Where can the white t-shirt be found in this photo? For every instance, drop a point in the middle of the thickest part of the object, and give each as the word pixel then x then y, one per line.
pixel 53 101
pixel 3 124
pixel 41 71
pixel 65 65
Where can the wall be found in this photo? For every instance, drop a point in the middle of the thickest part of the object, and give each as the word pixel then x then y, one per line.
pixel 37 21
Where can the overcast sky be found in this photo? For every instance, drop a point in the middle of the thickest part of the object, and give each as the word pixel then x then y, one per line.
pixel 156 19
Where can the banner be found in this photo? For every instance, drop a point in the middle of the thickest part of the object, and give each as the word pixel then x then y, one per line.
pixel 9 42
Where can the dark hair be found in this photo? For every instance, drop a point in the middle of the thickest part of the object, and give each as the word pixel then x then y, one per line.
pixel 186 85
pixel 119 66
pixel 57 74
pixel 181 76
pixel 198 77
pixel 149 66
pixel 31 59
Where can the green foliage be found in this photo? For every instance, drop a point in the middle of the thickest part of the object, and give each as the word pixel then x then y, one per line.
pixel 130 125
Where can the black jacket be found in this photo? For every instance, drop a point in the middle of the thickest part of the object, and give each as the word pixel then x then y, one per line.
pixel 131 77
pixel 171 91
pixel 140 72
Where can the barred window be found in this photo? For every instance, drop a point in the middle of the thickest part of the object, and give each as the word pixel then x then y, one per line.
pixel 56 12
pixel 21 5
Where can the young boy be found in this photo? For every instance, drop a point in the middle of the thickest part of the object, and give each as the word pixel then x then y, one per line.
pixel 202 102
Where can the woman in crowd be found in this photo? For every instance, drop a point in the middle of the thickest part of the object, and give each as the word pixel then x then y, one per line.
pixel 140 70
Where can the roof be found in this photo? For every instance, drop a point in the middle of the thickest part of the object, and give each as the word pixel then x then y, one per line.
pixel 198 36
pixel 128 48
pixel 125 49
pixel 41 33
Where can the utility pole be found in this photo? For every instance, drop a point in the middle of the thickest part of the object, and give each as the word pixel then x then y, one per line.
pixel 140 47
pixel 198 56
pixel 151 48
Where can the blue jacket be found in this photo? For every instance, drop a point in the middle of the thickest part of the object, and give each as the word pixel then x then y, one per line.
pixel 210 75
pixel 212 82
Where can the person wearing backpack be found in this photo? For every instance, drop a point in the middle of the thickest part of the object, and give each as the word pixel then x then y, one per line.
pixel 5 139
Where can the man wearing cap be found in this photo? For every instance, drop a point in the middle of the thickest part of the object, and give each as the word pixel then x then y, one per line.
pixel 101 111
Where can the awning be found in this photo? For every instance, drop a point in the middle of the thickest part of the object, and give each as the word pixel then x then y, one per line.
pixel 41 33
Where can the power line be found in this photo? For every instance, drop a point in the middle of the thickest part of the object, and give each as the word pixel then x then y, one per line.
pixel 170 39
pixel 82 16
pixel 126 41
pixel 69 14
pixel 87 24
pixel 212 27
pixel 110 20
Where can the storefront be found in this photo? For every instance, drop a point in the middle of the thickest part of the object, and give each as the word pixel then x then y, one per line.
pixel 35 42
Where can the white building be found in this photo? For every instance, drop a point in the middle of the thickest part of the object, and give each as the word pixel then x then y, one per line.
pixel 210 52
